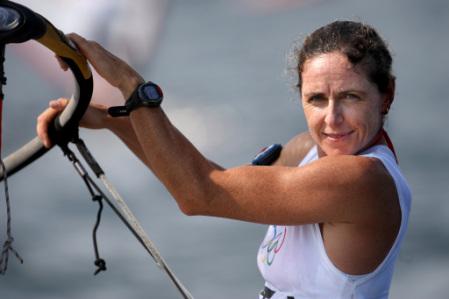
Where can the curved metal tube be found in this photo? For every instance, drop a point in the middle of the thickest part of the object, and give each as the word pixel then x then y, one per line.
pixel 19 24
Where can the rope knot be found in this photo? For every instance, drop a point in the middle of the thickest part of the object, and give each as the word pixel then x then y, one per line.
pixel 8 242
pixel 101 266
pixel 7 247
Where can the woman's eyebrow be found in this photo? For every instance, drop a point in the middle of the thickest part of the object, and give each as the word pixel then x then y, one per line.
pixel 313 93
pixel 346 91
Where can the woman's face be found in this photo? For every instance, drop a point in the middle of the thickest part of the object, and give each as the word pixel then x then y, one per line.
pixel 342 107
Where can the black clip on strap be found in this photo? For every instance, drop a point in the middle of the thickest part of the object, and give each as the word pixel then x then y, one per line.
pixel 84 151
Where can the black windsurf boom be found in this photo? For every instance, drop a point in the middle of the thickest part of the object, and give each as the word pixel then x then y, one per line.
pixel 19 24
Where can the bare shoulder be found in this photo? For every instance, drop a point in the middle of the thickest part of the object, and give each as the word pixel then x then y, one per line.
pixel 362 180
pixel 295 150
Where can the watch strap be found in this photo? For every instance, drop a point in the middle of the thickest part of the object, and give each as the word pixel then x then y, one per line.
pixel 116 111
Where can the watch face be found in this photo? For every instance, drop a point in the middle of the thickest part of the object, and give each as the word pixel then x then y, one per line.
pixel 147 94
pixel 151 91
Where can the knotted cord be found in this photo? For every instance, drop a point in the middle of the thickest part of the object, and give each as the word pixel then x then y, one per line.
pixel 119 207
pixel 7 245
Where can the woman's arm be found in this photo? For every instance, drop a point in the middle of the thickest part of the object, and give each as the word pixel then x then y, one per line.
pixel 333 189
pixel 337 189
pixel 96 117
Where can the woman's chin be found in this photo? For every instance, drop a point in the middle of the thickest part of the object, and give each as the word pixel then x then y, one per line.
pixel 335 151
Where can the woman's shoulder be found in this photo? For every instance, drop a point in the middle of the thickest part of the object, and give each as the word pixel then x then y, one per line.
pixel 295 150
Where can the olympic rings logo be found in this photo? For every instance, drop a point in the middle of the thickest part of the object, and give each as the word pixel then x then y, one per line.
pixel 274 245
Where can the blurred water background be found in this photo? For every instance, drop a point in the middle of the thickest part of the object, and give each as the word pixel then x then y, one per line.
pixel 222 65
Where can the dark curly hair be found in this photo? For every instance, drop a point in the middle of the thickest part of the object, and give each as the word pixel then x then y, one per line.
pixel 361 44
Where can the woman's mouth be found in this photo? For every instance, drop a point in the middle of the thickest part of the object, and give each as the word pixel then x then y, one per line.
pixel 337 137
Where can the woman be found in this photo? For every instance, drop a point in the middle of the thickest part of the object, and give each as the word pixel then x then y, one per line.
pixel 337 220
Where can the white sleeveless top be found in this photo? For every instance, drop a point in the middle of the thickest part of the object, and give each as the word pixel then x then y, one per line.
pixel 294 263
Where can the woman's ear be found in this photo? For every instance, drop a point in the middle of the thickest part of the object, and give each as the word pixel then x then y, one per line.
pixel 389 96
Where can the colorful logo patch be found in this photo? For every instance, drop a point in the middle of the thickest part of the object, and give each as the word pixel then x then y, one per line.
pixel 274 244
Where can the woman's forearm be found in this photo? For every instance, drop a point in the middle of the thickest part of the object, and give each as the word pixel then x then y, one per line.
pixel 123 129
pixel 173 159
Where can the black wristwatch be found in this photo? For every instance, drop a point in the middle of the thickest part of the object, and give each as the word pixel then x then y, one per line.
pixel 145 95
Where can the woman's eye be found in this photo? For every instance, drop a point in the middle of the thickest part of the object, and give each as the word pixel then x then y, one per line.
pixel 351 96
pixel 316 98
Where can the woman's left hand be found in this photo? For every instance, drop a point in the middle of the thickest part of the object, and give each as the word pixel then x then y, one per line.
pixel 95 117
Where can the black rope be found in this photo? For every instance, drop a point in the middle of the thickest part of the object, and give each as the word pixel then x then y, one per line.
pixel 94 188
pixel 7 245
pixel 99 262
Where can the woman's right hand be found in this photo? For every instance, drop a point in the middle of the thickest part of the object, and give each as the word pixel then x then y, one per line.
pixel 95 117
pixel 113 69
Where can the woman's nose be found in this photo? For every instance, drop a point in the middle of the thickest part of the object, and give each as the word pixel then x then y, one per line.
pixel 334 114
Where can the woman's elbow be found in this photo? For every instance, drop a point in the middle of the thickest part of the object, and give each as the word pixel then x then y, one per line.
pixel 189 209
pixel 200 199
pixel 193 204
